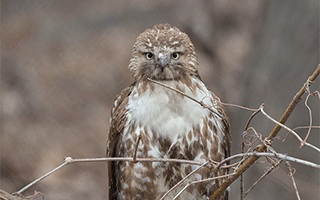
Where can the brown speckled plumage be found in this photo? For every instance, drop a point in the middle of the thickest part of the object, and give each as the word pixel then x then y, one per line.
pixel 171 125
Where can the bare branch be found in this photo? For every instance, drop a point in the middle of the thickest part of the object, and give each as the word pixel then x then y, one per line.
pixel 275 155
pixel 290 130
pixel 243 158
pixel 235 105
pixel 190 162
pixel 283 126
pixel 291 172
pixel 134 159
pixel 316 94
pixel 299 127
pixel 241 187
pixel 176 185
pixel 275 166
pixel 200 181
pixel 15 196
pixel 42 177
pixel 310 114
pixel 252 116
pixel 259 136
pixel 178 91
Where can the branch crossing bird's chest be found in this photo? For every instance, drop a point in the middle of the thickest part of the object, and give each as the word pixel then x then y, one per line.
pixel 165 112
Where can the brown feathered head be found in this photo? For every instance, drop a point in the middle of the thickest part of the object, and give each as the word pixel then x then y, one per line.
pixel 163 53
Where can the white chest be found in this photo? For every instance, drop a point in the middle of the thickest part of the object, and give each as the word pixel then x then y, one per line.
pixel 166 112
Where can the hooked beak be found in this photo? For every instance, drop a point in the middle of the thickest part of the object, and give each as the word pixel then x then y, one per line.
pixel 162 60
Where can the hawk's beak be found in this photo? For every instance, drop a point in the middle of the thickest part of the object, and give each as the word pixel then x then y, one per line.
pixel 162 61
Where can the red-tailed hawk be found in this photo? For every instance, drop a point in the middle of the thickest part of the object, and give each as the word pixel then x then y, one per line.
pixel 170 124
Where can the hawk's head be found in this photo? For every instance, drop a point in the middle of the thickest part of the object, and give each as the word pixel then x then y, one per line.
pixel 163 53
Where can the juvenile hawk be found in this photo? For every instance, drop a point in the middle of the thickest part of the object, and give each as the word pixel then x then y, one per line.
pixel 170 124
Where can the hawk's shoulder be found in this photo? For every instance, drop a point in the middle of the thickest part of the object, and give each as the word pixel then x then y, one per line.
pixel 118 118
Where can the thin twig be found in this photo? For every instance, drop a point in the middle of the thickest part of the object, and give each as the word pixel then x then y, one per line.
pixel 275 155
pixel 197 101
pixel 241 161
pixel 212 178
pixel 134 159
pixel 291 131
pixel 290 174
pixel 130 159
pixel 275 166
pixel 316 94
pixel 176 185
pixel 200 181
pixel 252 116
pixel 238 106
pixel 42 177
pixel 231 165
pixel 310 114
pixel 259 136
pixel 299 127
pixel 312 146
pixel 174 89
pixel 283 126
pixel 15 196
pixel 242 151
pixel 183 94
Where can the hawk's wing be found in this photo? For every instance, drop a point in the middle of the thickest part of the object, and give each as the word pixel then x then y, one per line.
pixel 118 120
pixel 226 123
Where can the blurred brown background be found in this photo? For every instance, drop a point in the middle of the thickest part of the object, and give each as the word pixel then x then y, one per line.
pixel 63 63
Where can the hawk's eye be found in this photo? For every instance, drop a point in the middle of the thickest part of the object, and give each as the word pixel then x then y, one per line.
pixel 176 56
pixel 149 56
